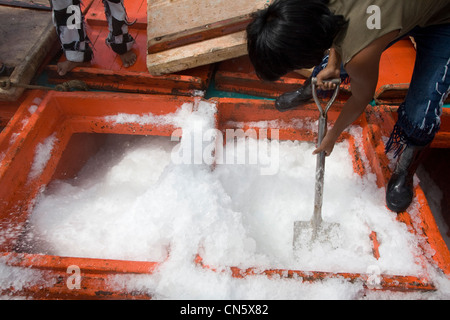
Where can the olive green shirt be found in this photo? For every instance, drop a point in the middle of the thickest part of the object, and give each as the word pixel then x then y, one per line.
pixel 366 23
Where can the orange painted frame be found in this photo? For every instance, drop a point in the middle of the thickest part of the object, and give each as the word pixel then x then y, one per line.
pixel 234 110
pixel 69 113
pixel 65 114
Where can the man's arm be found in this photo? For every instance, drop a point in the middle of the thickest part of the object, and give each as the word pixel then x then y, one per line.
pixel 331 71
pixel 363 71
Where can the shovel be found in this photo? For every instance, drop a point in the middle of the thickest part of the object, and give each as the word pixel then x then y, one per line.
pixel 307 232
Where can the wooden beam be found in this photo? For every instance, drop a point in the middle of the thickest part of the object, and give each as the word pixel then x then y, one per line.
pixel 190 56
pixel 189 33
pixel 31 4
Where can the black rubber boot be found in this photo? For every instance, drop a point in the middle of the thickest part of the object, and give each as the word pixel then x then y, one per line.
pixel 291 100
pixel 399 192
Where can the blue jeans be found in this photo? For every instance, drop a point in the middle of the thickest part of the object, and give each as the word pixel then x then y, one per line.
pixel 419 115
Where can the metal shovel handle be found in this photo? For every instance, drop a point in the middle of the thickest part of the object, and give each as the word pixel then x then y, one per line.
pixel 320 164
pixel 336 82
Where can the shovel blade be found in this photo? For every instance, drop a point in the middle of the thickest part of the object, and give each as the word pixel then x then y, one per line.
pixel 306 233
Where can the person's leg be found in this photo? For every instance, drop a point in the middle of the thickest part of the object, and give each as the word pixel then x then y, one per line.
pixel 69 23
pixel 120 41
pixel 419 115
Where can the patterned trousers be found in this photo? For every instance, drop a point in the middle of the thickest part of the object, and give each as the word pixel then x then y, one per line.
pixel 71 29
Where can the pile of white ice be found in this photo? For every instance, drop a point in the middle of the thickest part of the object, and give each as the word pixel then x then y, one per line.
pixel 132 201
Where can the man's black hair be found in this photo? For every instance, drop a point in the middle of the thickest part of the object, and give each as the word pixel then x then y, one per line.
pixel 290 35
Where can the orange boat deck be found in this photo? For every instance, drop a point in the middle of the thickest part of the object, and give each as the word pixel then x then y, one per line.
pixel 67 114
pixel 39 114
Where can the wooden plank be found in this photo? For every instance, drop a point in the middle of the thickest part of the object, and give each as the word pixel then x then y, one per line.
pixel 198 34
pixel 168 18
pixel 33 4
pixel 190 33
pixel 20 29
pixel 190 56
pixel 29 35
